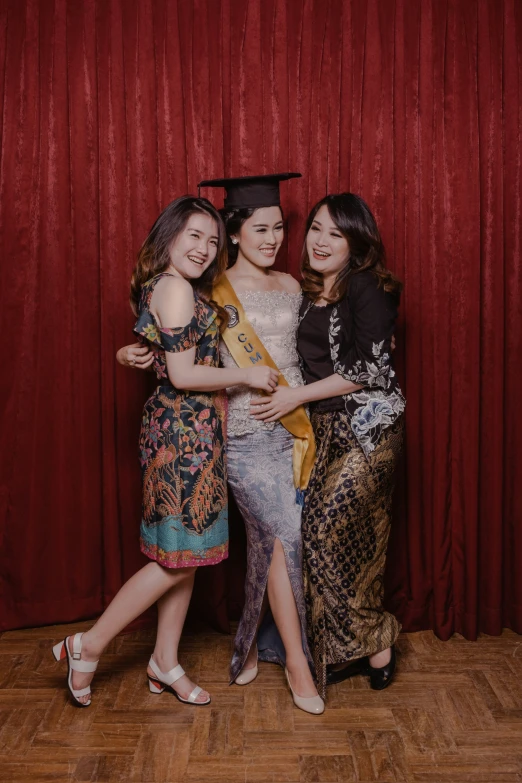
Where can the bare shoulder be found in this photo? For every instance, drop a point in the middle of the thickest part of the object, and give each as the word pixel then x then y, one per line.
pixel 173 301
pixel 175 285
pixel 288 283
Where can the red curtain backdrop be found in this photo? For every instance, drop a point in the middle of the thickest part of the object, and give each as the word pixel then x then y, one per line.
pixel 112 108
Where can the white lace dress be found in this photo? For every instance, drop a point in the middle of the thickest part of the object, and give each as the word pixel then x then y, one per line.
pixel 275 318
pixel 260 475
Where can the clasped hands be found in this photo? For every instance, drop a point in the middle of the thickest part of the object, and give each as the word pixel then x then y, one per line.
pixel 136 355
pixel 271 407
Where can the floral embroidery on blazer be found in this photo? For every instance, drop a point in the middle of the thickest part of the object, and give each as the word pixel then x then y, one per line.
pixel 360 332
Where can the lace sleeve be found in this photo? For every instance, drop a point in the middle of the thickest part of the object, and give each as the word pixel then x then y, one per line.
pixel 361 332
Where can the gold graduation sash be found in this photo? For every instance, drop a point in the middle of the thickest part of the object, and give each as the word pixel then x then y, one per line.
pixel 247 350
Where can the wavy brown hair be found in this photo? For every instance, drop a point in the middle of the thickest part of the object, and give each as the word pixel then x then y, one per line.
pixel 154 258
pixel 354 220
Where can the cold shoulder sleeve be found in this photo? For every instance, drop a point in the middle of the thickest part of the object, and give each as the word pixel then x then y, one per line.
pixel 361 331
pixel 175 339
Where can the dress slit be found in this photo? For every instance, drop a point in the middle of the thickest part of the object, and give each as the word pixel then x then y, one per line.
pixel 261 478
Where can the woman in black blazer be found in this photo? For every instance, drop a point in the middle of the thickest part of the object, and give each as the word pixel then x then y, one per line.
pixel 344 340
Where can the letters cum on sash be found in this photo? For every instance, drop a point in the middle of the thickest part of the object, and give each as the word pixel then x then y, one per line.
pixel 249 348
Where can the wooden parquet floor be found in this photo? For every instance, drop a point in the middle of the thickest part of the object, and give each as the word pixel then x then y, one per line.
pixel 453 714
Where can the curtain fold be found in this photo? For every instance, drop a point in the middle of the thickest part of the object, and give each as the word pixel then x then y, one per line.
pixel 112 109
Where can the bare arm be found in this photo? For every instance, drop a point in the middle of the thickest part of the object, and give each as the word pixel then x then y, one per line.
pixel 285 399
pixel 184 374
pixel 332 386
pixel 139 357
pixel 173 306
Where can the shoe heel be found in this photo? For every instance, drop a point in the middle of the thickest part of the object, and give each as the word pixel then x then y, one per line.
pixel 59 651
pixel 155 686
pixel 314 705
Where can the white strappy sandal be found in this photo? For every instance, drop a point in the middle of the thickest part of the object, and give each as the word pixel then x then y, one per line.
pixel 166 680
pixel 75 664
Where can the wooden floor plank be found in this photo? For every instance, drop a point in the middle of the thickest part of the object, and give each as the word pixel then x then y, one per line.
pixel 452 715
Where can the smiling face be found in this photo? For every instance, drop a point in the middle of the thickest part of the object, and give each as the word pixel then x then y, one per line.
pixel 260 236
pixel 328 250
pixel 195 247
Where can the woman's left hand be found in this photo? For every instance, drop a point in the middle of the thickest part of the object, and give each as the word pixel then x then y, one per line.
pixel 270 408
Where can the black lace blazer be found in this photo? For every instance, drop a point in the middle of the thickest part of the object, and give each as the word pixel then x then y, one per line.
pixel 361 328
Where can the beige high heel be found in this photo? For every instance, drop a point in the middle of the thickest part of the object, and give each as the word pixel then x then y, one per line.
pixel 247 675
pixel 312 704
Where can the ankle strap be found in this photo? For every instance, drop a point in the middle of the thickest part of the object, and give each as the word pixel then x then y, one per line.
pixel 167 678
pixel 75 660
pixel 77 646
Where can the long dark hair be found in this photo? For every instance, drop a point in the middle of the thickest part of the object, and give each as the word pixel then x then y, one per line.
pixel 233 220
pixel 154 258
pixel 355 221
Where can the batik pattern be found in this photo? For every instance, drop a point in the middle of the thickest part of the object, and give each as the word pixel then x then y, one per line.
pixel 345 525
pixel 184 514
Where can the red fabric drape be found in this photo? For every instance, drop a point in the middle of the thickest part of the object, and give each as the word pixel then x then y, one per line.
pixel 112 108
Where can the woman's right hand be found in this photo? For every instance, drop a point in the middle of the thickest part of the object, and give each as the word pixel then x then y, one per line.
pixel 136 355
pixel 264 378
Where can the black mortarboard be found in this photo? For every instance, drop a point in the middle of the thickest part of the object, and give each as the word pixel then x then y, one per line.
pixel 253 192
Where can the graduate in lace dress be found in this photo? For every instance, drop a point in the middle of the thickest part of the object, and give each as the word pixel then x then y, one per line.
pixel 184 512
pixel 259 456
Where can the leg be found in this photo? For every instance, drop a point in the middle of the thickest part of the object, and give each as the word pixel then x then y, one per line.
pixel 172 610
pixel 136 595
pixel 284 609
pixel 260 474
pixel 240 463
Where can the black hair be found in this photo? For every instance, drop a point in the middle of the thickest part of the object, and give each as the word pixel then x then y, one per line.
pixel 355 221
pixel 233 220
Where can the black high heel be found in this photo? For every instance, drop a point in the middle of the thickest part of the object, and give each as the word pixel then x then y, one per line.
pixel 381 677
pixel 359 666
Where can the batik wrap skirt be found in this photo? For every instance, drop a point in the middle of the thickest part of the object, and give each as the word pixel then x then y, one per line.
pixel 345 526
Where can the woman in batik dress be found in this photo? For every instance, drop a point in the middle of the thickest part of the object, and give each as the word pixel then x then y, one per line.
pixel 344 340
pixel 184 516
pixel 259 456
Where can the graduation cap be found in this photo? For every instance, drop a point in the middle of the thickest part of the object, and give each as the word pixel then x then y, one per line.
pixel 253 192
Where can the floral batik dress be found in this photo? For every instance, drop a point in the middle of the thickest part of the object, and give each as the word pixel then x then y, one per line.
pixel 184 516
